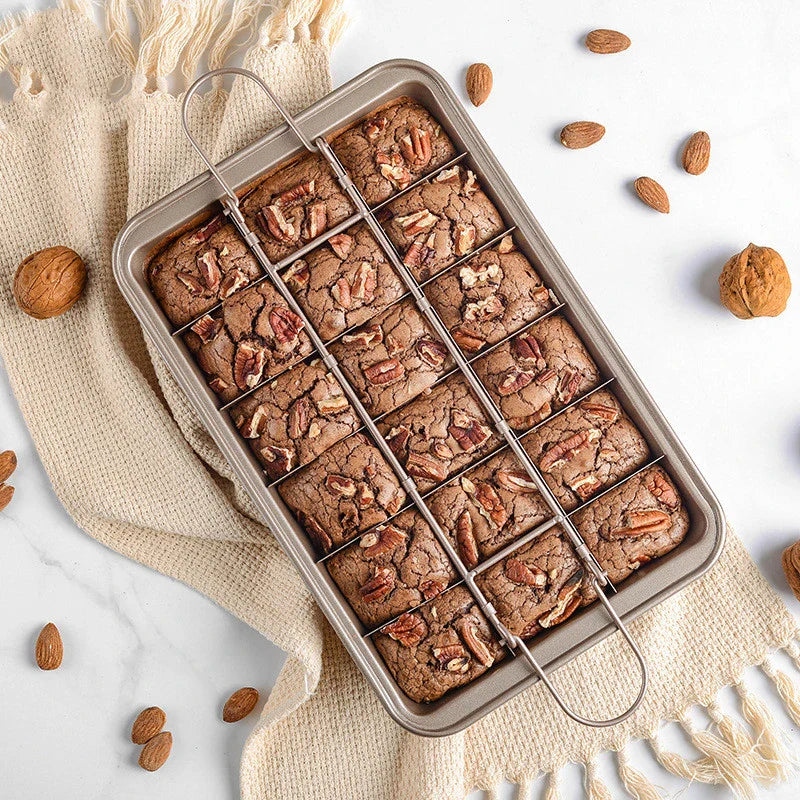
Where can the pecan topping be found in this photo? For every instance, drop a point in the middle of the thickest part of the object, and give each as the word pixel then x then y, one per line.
pixel 643 522
pixel 452 657
pixel 248 365
pixel 515 481
pixel 471 276
pixel 383 540
pixel 193 285
pixel 304 189
pixel 218 385
pixel 298 417
pixel 449 175
pixel 464 238
pixel 409 629
pixel 568 600
pixel 315 531
pixel 660 488
pixel 374 127
pixel 285 324
pixel 314 429
pixel 419 221
pixel 485 497
pixel 250 427
pixel 298 274
pixel 526 348
pixel 377 587
pixel 441 450
pixel 541 294
pixel 365 497
pixel 470 184
pixel 416 147
pixel 476 645
pixel 397 439
pixel 368 336
pixel 488 308
pixel 421 466
pixel 232 282
pixel 544 376
pixel 505 245
pixel 467 431
pixel 279 459
pixel 340 486
pixel 431 588
pixel 273 221
pixel 332 405
pixel 515 381
pixel 432 351
pixel 600 410
pixel 585 487
pixel 568 385
pixel 393 170
pixel 393 347
pixel 567 448
pixel 465 539
pixel 341 293
pixel 385 372
pixel 316 221
pixel 207 328
pixel 208 230
pixel 524 574
pixel 419 250
pixel 365 282
pixel 209 269
pixel 467 341
pixel 341 244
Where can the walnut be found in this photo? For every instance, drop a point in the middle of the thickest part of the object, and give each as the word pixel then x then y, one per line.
pixel 755 283
pixel 49 282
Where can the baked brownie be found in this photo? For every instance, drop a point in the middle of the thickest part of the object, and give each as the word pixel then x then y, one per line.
pixel 634 523
pixel 198 269
pixel 538 586
pixel 443 645
pixel 348 489
pixel 391 569
pixel 587 448
pixel 440 221
pixel 490 296
pixel 398 144
pixel 538 372
pixel 393 358
pixel 294 205
pixel 488 507
pixel 439 433
pixel 254 335
pixel 294 418
pixel 344 282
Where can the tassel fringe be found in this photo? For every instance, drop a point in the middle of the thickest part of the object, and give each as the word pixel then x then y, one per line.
pixel 635 783
pixel 595 788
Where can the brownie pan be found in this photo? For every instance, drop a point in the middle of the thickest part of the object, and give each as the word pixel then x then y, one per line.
pixel 218 189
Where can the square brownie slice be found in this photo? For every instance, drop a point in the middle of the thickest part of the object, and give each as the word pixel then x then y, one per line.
pixel 295 418
pixel 440 221
pixel 445 644
pixel 392 569
pixel 344 282
pixel 393 358
pixel 439 433
pixel 538 372
pixel 254 336
pixel 295 204
pixel 347 490
pixel 586 449
pixel 492 295
pixel 194 271
pixel 488 507
pixel 392 148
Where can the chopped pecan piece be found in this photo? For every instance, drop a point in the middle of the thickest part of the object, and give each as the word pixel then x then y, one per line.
pixel 279 458
pixel 315 531
pixel 232 282
pixel 365 497
pixel 449 175
pixel 432 351
pixel 476 645
pixel 341 293
pixel 481 310
pixel 377 587
pixel 465 539
pixel 585 487
pixel 250 427
pixel 368 336
pixel 386 539
pixel 285 324
pixel 332 405
pixel 515 481
pixel 365 282
pixel 340 486
pixel 505 245
pixel 207 328
pixel 514 381
pixel 397 439
pixel 541 294
pixel 466 340
pixel 419 250
pixel 467 431
pixel 452 657
pixel 416 147
pixel 273 221
pixel 419 221
pixel 385 372
pixel 544 376
pixel 431 588
pixel 524 574
pixel 218 385
pixel 316 220
pixel 298 417
pixel 526 348
pixel 568 385
pixel 341 244
pixel 441 450
pixel 489 504
pixel 409 629
pixel 567 448
pixel 314 429
pixel 393 170
pixel 471 276
pixel 248 365
pixel 600 410
pixel 421 466
pixel 298 274
pixel 470 184
pixel 660 488
pixel 193 285
pixel 374 127
pixel 208 266
pixel 568 600
pixel 304 189
pixel 393 347
pixel 208 230
pixel 641 523
pixel 464 238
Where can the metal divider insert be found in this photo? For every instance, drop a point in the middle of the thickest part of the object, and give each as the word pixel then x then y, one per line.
pixel 599 579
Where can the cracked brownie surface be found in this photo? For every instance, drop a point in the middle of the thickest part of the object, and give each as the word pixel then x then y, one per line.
pixel 344 282
pixel 294 205
pixel 445 644
pixel 638 521
pixel 488 507
pixel 538 372
pixel 490 296
pixel 198 269
pixel 348 489
pixel 294 418
pixel 440 221
pixel 586 449
pixel 392 148
pixel 392 569
pixel 439 433
pixel 254 335
pixel 392 359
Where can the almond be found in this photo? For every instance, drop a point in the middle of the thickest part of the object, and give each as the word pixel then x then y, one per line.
pixel 8 463
pixel 156 752
pixel 697 153
pixel 652 194
pixel 49 648
pixel 240 704
pixel 147 725
pixel 6 493
pixel 581 134
pixel 479 83
pixel 606 41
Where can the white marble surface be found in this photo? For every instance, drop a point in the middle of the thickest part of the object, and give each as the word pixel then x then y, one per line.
pixel 730 388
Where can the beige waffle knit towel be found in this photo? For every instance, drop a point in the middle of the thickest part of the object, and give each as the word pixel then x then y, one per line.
pixel 91 137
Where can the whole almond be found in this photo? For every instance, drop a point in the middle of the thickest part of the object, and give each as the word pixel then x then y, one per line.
pixel 697 153
pixel 240 704
pixel 49 648
pixel 479 83
pixel 652 194
pixel 147 725
pixel 581 134
pixel 8 463
pixel 156 752
pixel 606 41
pixel 6 493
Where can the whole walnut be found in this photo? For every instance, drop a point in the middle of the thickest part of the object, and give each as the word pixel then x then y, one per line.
pixel 49 282
pixel 755 283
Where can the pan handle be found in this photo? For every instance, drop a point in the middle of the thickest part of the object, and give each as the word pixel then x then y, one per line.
pixel 622 628
pixel 232 199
